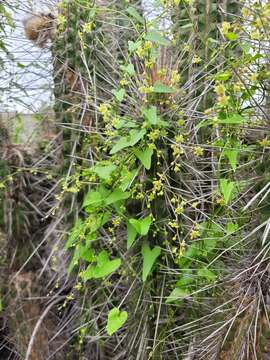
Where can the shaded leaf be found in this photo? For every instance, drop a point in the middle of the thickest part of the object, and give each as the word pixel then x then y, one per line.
pixel 131 235
pixel 76 231
pixel 96 220
pixel 177 295
pixel 127 178
pixel 223 76
pixel 207 274
pixel 232 155
pixel 93 198
pixel 134 13
pixel 231 227
pixel 232 119
pixel 129 69
pixel 133 46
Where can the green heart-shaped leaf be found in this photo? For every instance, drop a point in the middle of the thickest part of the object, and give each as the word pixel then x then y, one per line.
pixel 231 36
pixel 149 258
pixel 116 319
pixel 150 115
pixel 227 188
pixel 76 231
pixel 145 156
pixel 129 69
pixel 105 171
pixel 177 295
pixel 126 141
pixel 232 153
pixel 133 46
pixel 117 195
pixel 142 226
pixel 163 89
pixel 134 13
pixel 93 198
pixel 119 94
pixel 156 37
pixel 104 267
pixel 233 119
pixel 131 235
pixel 207 274
pixel 127 178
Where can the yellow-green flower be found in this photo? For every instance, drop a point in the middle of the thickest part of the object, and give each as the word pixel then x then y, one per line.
pixel 264 142
pixel 176 77
pixel 225 27
pixel 220 89
pixel 61 21
pixel 195 234
pixel 198 151
pixel 88 27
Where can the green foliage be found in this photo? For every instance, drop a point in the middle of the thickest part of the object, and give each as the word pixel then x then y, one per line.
pixel 149 258
pixel 155 37
pixel 163 89
pixel 116 319
pixel 142 226
pixel 104 171
pixel 119 94
pixel 129 140
pixel 131 234
pixel 227 188
pixel 145 157
pixel 104 267
pixel 177 295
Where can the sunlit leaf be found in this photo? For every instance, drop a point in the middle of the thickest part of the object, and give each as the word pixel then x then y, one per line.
pixel 150 115
pixel 119 94
pixel 149 259
pixel 163 89
pixel 231 36
pixel 145 157
pixel 104 267
pixel 117 195
pixel 142 226
pixel 156 37
pixel 227 188
pixel 116 319
pixel 130 140
pixel 104 171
